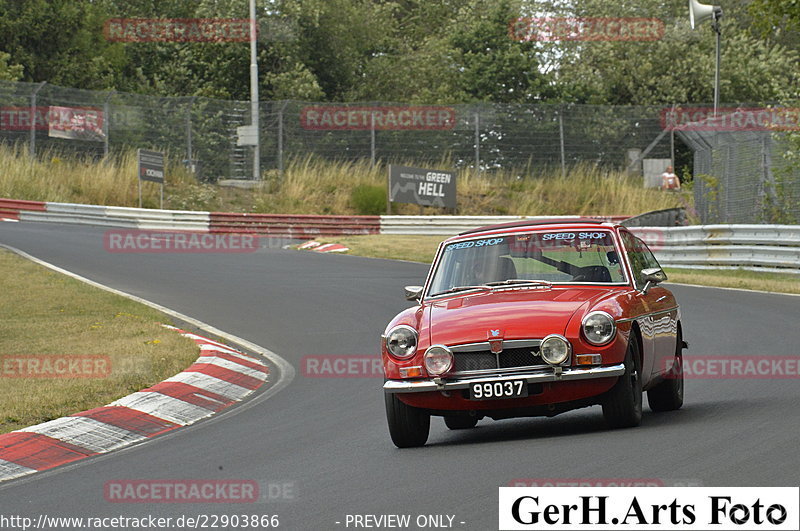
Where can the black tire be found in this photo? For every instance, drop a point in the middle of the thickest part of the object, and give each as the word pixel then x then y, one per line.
pixel 668 395
pixel 408 426
pixel 460 422
pixel 622 407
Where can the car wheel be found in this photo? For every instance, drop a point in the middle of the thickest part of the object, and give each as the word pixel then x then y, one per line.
pixel 622 407
pixel 668 395
pixel 408 426
pixel 460 422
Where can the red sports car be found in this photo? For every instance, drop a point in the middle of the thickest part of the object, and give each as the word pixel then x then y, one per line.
pixel 533 318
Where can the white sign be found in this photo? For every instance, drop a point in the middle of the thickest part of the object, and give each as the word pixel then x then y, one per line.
pixel 667 508
pixel 247 135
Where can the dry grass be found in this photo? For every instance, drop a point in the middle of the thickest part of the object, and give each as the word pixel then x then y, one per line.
pixel 314 186
pixel 45 314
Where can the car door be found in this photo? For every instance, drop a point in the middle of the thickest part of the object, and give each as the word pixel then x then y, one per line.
pixel 658 317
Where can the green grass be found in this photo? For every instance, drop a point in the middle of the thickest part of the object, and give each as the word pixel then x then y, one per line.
pixel 312 185
pixel 46 316
pixel 737 278
pixel 423 249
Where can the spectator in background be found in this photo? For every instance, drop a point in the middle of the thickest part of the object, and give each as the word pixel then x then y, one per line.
pixel 670 181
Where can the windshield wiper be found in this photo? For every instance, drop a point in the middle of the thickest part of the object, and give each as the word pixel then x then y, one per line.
pixel 518 281
pixel 456 289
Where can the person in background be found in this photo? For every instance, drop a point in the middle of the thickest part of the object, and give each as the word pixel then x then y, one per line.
pixel 670 181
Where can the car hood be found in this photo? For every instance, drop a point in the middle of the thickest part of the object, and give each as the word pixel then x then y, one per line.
pixel 517 314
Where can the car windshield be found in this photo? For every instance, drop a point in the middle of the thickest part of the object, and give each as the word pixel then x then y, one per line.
pixel 563 256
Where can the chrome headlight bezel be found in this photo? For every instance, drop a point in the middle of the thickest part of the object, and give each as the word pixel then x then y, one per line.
pixel 568 349
pixel 438 350
pixel 605 339
pixel 406 352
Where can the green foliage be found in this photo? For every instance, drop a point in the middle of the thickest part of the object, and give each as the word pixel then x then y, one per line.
pixel 416 51
pixel 9 72
pixel 679 67
pixel 712 191
pixel 369 199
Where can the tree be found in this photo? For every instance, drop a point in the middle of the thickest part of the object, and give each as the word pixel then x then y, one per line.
pixel 9 72
pixel 59 41
pixel 678 67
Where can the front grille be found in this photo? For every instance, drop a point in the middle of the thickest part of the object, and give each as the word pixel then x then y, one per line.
pixel 485 360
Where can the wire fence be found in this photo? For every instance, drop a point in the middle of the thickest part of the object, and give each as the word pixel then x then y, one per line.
pixel 202 132
pixel 743 176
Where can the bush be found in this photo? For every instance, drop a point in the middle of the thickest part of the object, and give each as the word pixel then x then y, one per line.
pixel 369 199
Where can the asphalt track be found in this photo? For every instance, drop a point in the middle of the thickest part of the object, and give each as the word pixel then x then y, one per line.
pixel 328 439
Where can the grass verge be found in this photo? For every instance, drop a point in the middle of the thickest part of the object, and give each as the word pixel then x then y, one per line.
pixel 423 249
pixel 311 185
pixel 737 278
pixel 47 317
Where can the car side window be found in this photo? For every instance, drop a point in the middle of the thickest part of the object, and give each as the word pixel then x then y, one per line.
pixel 640 257
pixel 649 257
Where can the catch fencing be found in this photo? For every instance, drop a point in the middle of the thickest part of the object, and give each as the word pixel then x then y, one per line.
pixel 202 133
pixel 745 175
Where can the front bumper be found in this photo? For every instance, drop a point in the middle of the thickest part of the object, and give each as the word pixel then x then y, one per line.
pixel 539 376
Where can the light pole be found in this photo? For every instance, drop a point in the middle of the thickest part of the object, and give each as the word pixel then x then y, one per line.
pixel 697 13
pixel 254 91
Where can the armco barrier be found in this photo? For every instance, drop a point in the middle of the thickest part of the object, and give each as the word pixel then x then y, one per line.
pixel 294 226
pixel 120 217
pixel 11 208
pixel 450 225
pixel 755 247
pixel 758 247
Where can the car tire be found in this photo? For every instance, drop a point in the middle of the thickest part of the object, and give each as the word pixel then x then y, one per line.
pixel 460 422
pixel 622 407
pixel 408 426
pixel 668 395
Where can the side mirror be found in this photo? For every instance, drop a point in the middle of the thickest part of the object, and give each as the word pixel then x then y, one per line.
pixel 413 293
pixel 652 276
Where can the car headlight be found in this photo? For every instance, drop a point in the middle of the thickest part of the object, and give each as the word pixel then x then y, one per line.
pixel 555 349
pixel 599 328
pixel 438 360
pixel 401 341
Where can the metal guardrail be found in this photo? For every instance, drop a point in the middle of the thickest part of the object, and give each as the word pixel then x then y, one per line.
pixel 451 225
pixel 754 247
pixel 119 217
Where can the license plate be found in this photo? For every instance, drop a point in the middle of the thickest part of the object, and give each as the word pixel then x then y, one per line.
pixel 498 390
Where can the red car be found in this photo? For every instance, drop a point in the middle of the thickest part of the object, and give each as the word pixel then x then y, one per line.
pixel 533 318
